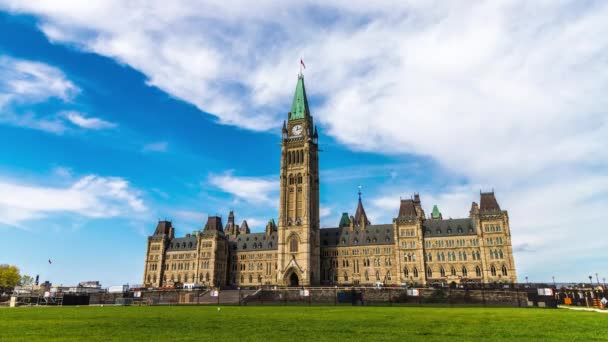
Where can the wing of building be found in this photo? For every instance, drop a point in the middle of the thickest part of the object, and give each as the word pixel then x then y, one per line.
pixel 295 251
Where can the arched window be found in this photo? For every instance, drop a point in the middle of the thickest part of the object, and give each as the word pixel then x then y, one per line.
pixel 414 257
pixel 345 276
pixel 500 255
pixel 293 244
pixel 366 276
pixel 453 271
pixel 429 272
pixel 259 279
pixel 442 272
pixel 242 279
pixel 388 275
pixel 464 271
pixel 493 271
pixel 415 272
pixel 477 271
pixel 406 272
pixel 377 275
pixel 504 270
pixel 250 279
pixel 459 229
pixel 299 178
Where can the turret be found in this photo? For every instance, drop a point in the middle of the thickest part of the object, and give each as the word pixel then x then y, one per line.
pixel 271 227
pixel 244 228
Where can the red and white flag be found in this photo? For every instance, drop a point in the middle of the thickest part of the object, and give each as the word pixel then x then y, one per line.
pixel 302 63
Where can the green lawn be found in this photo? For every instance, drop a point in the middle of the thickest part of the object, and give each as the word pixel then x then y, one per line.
pixel 299 324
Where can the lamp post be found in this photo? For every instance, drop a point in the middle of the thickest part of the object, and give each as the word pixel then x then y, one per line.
pixel 553 281
pixel 527 282
pixel 590 283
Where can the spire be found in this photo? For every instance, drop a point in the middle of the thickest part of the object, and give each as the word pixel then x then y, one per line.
pixel 299 107
pixel 360 216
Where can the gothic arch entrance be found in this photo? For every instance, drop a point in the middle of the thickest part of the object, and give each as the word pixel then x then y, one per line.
pixel 294 281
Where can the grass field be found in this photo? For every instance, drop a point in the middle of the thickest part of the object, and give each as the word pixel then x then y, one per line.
pixel 299 324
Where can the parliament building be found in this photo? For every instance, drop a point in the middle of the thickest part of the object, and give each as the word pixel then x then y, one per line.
pixel 414 249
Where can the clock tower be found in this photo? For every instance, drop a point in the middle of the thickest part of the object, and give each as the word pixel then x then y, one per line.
pixel 298 231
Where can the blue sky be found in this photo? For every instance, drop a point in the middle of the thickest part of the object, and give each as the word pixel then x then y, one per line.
pixel 175 110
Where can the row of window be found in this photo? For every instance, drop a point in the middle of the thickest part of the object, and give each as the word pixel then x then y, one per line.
pixel 252 256
pixel 492 228
pixel 408 244
pixel 257 245
pixel 448 231
pixel 451 256
pixel 450 243
pixel 407 232
pixel 494 241
pixel 295 157
pixel 181 256
pixel 346 252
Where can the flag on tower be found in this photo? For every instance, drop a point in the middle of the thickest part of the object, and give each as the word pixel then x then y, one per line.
pixel 302 63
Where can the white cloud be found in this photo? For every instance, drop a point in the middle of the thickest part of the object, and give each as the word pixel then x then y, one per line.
pixel 25 82
pixel 29 81
pixel 160 146
pixel 251 189
pixel 91 196
pixel 324 211
pixel 82 121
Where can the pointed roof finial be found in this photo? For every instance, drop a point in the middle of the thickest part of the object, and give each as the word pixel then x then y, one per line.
pixel 299 106
pixel 359 192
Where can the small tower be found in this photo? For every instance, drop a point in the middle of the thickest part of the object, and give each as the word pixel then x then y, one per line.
pixel 244 228
pixel 436 214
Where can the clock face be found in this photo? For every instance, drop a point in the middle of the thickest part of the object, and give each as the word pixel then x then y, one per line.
pixel 297 130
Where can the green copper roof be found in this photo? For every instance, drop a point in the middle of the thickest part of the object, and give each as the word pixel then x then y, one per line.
pixel 299 107
pixel 435 214
pixel 344 221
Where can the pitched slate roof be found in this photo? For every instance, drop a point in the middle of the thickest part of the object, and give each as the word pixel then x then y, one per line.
pixel 163 227
pixel 407 208
pixel 378 234
pixel 254 242
pixel 214 223
pixel 488 202
pixel 451 227
pixel 182 244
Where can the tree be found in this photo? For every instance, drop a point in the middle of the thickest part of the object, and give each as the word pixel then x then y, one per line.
pixel 9 276
pixel 26 280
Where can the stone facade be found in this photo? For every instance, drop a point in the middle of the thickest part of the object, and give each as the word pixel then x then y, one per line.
pixel 413 249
